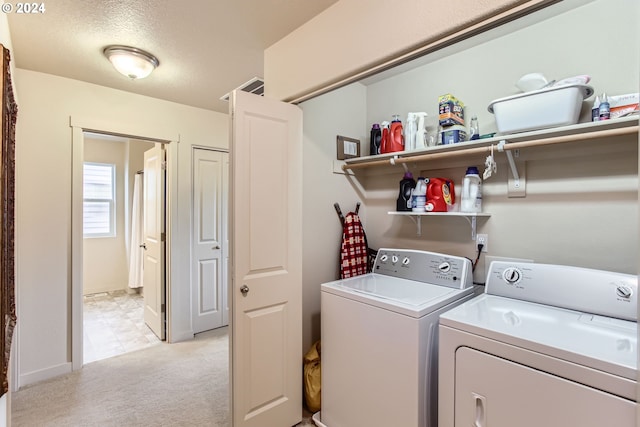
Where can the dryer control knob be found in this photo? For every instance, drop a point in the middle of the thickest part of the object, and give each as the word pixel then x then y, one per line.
pixel 394 259
pixel 624 292
pixel 384 258
pixel 406 261
pixel 444 267
pixel 512 275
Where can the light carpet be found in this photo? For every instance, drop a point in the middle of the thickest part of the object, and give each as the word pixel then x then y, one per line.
pixel 181 384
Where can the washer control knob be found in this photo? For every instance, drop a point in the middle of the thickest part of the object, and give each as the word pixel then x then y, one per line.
pixel 406 261
pixel 444 267
pixel 624 292
pixel 384 257
pixel 394 259
pixel 512 275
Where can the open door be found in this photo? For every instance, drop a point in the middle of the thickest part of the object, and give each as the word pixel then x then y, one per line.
pixel 154 245
pixel 266 260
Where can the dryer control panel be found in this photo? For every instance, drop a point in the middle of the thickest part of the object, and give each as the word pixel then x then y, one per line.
pixel 423 266
pixel 587 290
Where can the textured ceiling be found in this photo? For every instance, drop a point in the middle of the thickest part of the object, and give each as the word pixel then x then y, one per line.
pixel 206 47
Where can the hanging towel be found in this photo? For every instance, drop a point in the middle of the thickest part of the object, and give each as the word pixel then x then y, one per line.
pixel 353 255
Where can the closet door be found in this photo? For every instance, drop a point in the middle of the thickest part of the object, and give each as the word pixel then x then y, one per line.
pixel 208 269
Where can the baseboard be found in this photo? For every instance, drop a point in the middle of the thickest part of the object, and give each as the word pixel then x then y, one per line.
pixel 44 374
pixel 105 289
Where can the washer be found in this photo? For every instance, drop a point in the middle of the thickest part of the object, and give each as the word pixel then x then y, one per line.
pixel 545 345
pixel 379 338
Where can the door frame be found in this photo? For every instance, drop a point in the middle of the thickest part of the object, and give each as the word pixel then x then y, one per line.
pixel 78 127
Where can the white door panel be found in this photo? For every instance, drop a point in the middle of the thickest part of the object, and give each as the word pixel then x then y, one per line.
pixel 209 287
pixel 153 228
pixel 266 328
pixel 492 391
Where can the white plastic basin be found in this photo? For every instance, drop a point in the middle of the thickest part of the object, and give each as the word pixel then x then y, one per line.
pixel 540 109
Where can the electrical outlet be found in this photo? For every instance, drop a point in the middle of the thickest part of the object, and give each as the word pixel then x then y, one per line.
pixel 483 239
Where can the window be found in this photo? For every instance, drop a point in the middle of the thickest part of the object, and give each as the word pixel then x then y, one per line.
pixel 99 200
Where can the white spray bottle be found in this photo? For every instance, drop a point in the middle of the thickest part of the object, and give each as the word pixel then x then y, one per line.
pixel 410 133
pixel 421 135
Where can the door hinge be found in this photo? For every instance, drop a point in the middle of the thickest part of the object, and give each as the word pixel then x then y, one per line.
pixel 164 165
pixel 162 308
pixel 163 237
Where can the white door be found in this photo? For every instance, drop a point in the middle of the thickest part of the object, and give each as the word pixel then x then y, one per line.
pixel 266 261
pixel 154 245
pixel 208 271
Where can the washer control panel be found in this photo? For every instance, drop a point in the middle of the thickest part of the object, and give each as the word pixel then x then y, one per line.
pixel 575 288
pixel 427 267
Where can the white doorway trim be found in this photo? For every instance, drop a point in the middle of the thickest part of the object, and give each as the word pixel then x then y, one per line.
pixel 79 126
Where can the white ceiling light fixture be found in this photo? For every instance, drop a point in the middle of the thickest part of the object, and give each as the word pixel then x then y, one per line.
pixel 130 61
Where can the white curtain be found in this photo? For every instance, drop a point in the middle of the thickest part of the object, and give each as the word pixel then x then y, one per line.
pixel 135 260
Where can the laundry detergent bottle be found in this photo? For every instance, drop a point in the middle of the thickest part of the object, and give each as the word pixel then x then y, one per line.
pixel 385 145
pixel 419 195
pixel 376 137
pixel 407 184
pixel 471 197
pixel 396 135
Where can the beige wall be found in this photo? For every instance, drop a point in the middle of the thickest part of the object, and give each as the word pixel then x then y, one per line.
pixel 43 227
pixel 582 201
pixel 338 113
pixel 355 35
pixel 105 264
pixel 570 194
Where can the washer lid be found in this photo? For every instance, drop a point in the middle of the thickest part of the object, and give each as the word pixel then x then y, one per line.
pixel 600 342
pixel 404 296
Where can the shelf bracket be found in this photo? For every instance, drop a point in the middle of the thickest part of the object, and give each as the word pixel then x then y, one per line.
pixel 473 221
pixel 512 163
pixel 517 185
pixel 417 220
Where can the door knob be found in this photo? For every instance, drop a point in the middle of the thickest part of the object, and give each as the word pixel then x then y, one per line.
pixel 245 290
pixel 144 246
pixel 216 247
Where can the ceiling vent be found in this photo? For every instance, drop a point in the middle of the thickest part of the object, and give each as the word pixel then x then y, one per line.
pixel 255 86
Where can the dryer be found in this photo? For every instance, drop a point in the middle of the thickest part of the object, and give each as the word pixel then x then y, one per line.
pixel 379 338
pixel 545 345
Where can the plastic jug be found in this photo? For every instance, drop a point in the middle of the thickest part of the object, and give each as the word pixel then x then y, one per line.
pixel 440 195
pixel 376 136
pixel 410 132
pixel 403 204
pixel 421 134
pixel 474 129
pixel 384 138
pixel 471 197
pixel 395 141
pixel 419 195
